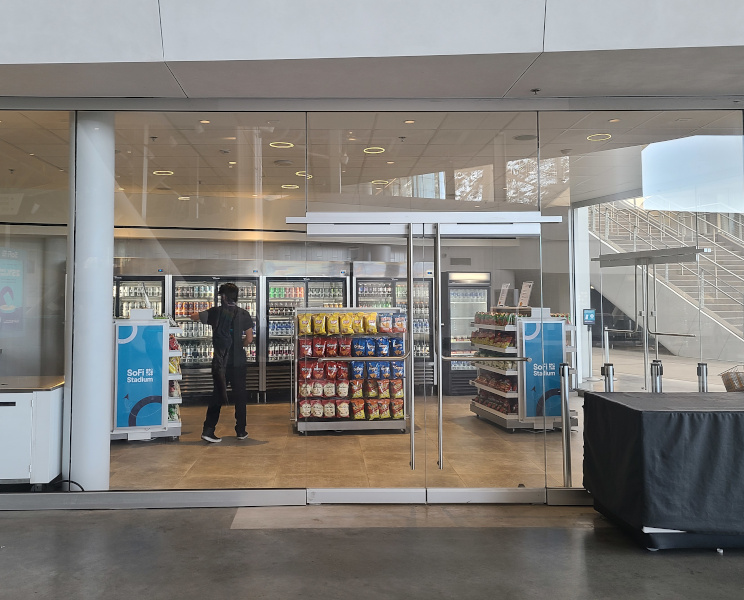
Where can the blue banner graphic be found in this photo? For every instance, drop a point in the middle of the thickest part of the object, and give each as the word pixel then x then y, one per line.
pixel 542 380
pixel 139 377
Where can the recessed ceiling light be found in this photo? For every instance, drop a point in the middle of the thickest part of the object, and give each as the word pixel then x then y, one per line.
pixel 374 150
pixel 230 138
pixel 184 197
pixel 391 162
pixel 281 145
pixel 598 137
pixel 409 122
pixel 380 182
pixel 614 121
pixel 352 139
pixel 525 138
pixel 204 122
pixel 303 174
pixel 290 187
pixel 162 172
pixel 31 154
pixel 254 196
pixel 232 162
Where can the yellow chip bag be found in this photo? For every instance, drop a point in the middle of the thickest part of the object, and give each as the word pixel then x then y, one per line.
pixel 319 324
pixel 358 323
pixel 370 322
pixel 334 327
pixel 305 324
pixel 347 324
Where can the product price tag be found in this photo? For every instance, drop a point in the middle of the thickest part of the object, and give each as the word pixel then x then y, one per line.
pixel 502 296
pixel 524 295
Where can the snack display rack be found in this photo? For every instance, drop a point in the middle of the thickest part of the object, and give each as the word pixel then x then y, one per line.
pixel 522 393
pixel 378 340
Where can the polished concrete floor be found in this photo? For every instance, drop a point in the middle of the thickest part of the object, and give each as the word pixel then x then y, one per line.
pixel 504 552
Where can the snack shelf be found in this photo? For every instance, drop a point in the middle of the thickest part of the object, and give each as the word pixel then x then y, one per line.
pixel 480 386
pixel 494 327
pixel 339 425
pixel 512 373
pixel 507 350
pixel 175 400
pixel 174 376
pixel 174 352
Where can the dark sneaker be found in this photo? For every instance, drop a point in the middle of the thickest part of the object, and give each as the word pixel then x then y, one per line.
pixel 210 437
pixel 242 435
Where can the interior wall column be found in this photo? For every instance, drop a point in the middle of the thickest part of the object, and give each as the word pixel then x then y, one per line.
pixel 89 352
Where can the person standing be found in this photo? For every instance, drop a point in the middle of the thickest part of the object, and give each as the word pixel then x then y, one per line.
pixel 232 331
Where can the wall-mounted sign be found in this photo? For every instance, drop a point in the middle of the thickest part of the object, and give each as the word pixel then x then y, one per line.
pixel 590 316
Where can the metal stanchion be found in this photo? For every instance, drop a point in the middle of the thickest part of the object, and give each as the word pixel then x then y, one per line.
pixel 608 370
pixel 657 370
pixel 702 373
pixel 606 344
pixel 565 373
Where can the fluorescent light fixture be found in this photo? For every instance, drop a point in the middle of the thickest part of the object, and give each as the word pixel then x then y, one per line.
pixel 162 172
pixel 205 122
pixel 184 197
pixel 374 150
pixel 281 145
pixel 232 162
pixel 391 162
pixel 409 122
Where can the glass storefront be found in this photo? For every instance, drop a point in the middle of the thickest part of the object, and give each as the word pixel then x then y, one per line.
pixel 455 253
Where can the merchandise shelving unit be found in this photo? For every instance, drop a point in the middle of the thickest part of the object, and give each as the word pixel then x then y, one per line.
pixel 304 425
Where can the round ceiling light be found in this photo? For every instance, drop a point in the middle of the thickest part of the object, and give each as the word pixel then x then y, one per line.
pixel 281 145
pixel 290 187
pixel 525 138
pixel 380 182
pixel 374 150
pixel 303 174
pixel 598 137
pixel 162 172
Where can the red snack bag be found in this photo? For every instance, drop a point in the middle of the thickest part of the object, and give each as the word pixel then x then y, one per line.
pixel 383 406
pixel 343 370
pixel 370 388
pixel 356 390
pixel 319 370
pixel 396 408
pixel 331 369
pixel 386 323
pixel 383 389
pixel 316 408
pixel 305 408
pixel 329 409
pixel 399 323
pixel 373 409
pixel 305 346
pixel 319 346
pixel 306 369
pixel 344 346
pixel 342 388
pixel 342 409
pixel 397 390
pixel 305 389
pixel 331 348
pixel 357 409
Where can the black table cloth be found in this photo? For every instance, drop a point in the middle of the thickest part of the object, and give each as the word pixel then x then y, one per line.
pixel 668 461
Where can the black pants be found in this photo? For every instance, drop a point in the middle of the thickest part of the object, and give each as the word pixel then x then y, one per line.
pixel 221 376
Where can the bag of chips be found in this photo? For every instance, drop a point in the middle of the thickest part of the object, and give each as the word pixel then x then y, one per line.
pixel 357 409
pixel 306 369
pixel 370 346
pixel 382 346
pixel 305 389
pixel 319 370
pixel 329 409
pixel 333 325
pixel 342 409
pixel 370 322
pixel 305 409
pixel 373 410
pixel 305 346
pixel 397 347
pixel 318 388
pixel 343 370
pixel 344 346
pixel 359 347
pixel 386 323
pixel 399 323
pixel 396 388
pixel 396 408
pixel 331 348
pixel 319 346
pixel 329 389
pixel 357 323
pixel 373 370
pixel 305 324
pixel 384 369
pixel 316 408
pixel 383 407
pixel 356 389
pixel 370 388
pixel 383 388
pixel 399 369
pixel 346 324
pixel 342 388
pixel 319 324
pixel 331 369
pixel 357 369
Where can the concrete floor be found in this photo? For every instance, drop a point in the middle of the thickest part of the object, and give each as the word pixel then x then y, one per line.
pixel 516 553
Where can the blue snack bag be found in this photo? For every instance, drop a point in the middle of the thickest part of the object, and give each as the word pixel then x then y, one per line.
pixel 397 347
pixel 385 369
pixel 359 347
pixel 357 369
pixel 370 345
pixel 373 370
pixel 382 347
pixel 398 368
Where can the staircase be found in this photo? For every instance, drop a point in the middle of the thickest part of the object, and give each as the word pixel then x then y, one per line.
pixel 716 283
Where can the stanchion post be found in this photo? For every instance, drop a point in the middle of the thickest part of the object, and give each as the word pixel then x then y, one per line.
pixel 565 373
pixel 657 370
pixel 702 373
pixel 608 371
pixel 606 344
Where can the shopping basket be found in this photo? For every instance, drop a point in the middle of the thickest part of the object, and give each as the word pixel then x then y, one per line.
pixel 733 379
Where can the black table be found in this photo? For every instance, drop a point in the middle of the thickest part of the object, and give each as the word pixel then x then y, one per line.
pixel 671 462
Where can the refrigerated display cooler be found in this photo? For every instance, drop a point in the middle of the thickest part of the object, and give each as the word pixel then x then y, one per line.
pixel 463 295
pixel 391 292
pixel 196 294
pixel 284 295
pixel 131 292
